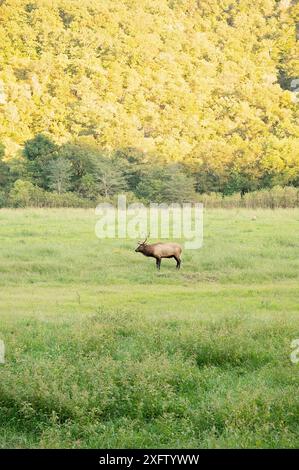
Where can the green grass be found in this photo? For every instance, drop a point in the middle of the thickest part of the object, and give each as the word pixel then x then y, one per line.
pixel 103 351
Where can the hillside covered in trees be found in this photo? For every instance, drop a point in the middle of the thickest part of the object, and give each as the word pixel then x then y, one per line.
pixel 98 96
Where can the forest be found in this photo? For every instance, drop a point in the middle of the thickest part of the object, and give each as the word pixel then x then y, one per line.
pixel 162 99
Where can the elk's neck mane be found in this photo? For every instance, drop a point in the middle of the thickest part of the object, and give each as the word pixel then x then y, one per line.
pixel 148 250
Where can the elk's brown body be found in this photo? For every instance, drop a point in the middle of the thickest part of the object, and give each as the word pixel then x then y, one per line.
pixel 161 250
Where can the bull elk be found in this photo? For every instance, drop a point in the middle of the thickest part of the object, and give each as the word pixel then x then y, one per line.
pixel 160 250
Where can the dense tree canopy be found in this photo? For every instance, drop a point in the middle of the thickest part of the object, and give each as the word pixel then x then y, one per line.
pixel 205 83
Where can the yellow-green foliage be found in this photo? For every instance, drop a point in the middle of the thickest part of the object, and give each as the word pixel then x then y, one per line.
pixel 266 198
pixel 200 82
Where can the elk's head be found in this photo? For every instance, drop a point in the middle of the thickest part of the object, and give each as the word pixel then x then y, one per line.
pixel 141 246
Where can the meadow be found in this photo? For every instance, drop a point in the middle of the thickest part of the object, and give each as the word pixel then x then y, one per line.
pixel 103 351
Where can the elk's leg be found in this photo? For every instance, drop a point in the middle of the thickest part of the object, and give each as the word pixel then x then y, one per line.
pixel 178 262
pixel 158 263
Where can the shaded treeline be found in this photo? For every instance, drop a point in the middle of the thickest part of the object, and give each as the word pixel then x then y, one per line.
pixel 79 174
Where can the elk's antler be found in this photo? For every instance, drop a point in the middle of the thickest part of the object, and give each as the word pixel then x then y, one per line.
pixel 146 238
pixel 144 241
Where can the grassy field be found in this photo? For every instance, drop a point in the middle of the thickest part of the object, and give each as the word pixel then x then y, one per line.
pixel 103 351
